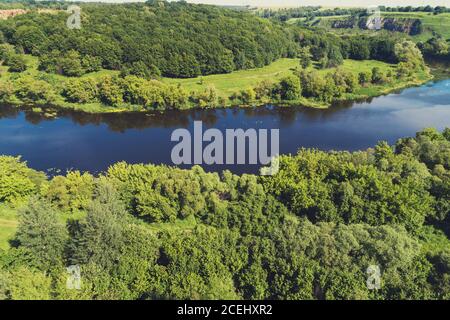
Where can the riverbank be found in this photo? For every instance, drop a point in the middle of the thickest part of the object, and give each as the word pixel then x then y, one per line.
pixel 225 86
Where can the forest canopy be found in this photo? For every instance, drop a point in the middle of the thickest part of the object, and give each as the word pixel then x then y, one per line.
pixel 309 232
pixel 176 38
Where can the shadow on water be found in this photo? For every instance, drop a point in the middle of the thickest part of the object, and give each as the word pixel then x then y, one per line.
pixel 120 122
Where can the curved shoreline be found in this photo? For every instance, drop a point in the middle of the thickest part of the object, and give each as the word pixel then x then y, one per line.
pixel 301 103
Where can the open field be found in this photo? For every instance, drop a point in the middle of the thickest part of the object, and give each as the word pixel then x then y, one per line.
pixel 8 226
pixel 227 84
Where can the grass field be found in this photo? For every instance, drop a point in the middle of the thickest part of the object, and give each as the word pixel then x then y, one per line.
pixel 8 226
pixel 227 84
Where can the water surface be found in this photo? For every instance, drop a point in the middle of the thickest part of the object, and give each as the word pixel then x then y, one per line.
pixel 93 142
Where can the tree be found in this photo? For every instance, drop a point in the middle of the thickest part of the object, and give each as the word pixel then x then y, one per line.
pixel 359 49
pixel 71 64
pixel 71 193
pixel 17 181
pixel 364 78
pixel 30 38
pixel 334 57
pixel 28 284
pixel 42 233
pixel 91 63
pixel 99 238
pixel 83 90
pixel 16 63
pixel 110 91
pixel 305 56
pixel 141 70
pixel 409 53
pixel 290 88
pixel 208 98
pixel 378 76
pixel 33 91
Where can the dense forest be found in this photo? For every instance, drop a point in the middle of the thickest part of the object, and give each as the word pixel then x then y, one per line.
pixel 173 39
pixel 309 232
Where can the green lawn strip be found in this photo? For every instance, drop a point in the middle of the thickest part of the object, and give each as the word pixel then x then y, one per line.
pixel 8 226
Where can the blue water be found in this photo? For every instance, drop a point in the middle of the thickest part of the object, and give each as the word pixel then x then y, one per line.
pixel 93 142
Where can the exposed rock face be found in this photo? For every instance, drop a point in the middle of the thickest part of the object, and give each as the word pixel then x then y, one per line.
pixel 344 24
pixel 409 26
pixel 5 14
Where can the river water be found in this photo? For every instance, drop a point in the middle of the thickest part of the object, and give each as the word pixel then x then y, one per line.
pixel 93 142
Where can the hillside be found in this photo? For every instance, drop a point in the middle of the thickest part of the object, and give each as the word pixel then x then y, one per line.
pixel 174 39
pixel 420 26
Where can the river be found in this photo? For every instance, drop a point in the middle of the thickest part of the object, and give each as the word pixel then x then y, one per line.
pixel 87 142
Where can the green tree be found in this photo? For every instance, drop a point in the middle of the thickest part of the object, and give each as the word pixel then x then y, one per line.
pixel 16 63
pixel 41 232
pixel 290 88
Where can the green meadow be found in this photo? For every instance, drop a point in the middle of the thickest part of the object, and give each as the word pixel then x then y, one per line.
pixel 8 226
pixel 227 84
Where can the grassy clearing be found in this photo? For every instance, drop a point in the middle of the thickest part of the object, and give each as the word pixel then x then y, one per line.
pixel 227 84
pixel 8 226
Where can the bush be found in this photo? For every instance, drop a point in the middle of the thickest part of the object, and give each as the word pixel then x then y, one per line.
pixel 290 88
pixel 17 181
pixel 33 91
pixel 16 63
pixel 81 90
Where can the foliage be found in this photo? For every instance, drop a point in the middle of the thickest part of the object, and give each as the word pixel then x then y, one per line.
pixel 141 39
pixel 42 234
pixel 17 181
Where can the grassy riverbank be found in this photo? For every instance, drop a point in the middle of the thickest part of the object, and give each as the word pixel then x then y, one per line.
pixel 225 84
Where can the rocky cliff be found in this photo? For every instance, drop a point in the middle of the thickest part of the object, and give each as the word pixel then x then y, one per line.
pixel 409 26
